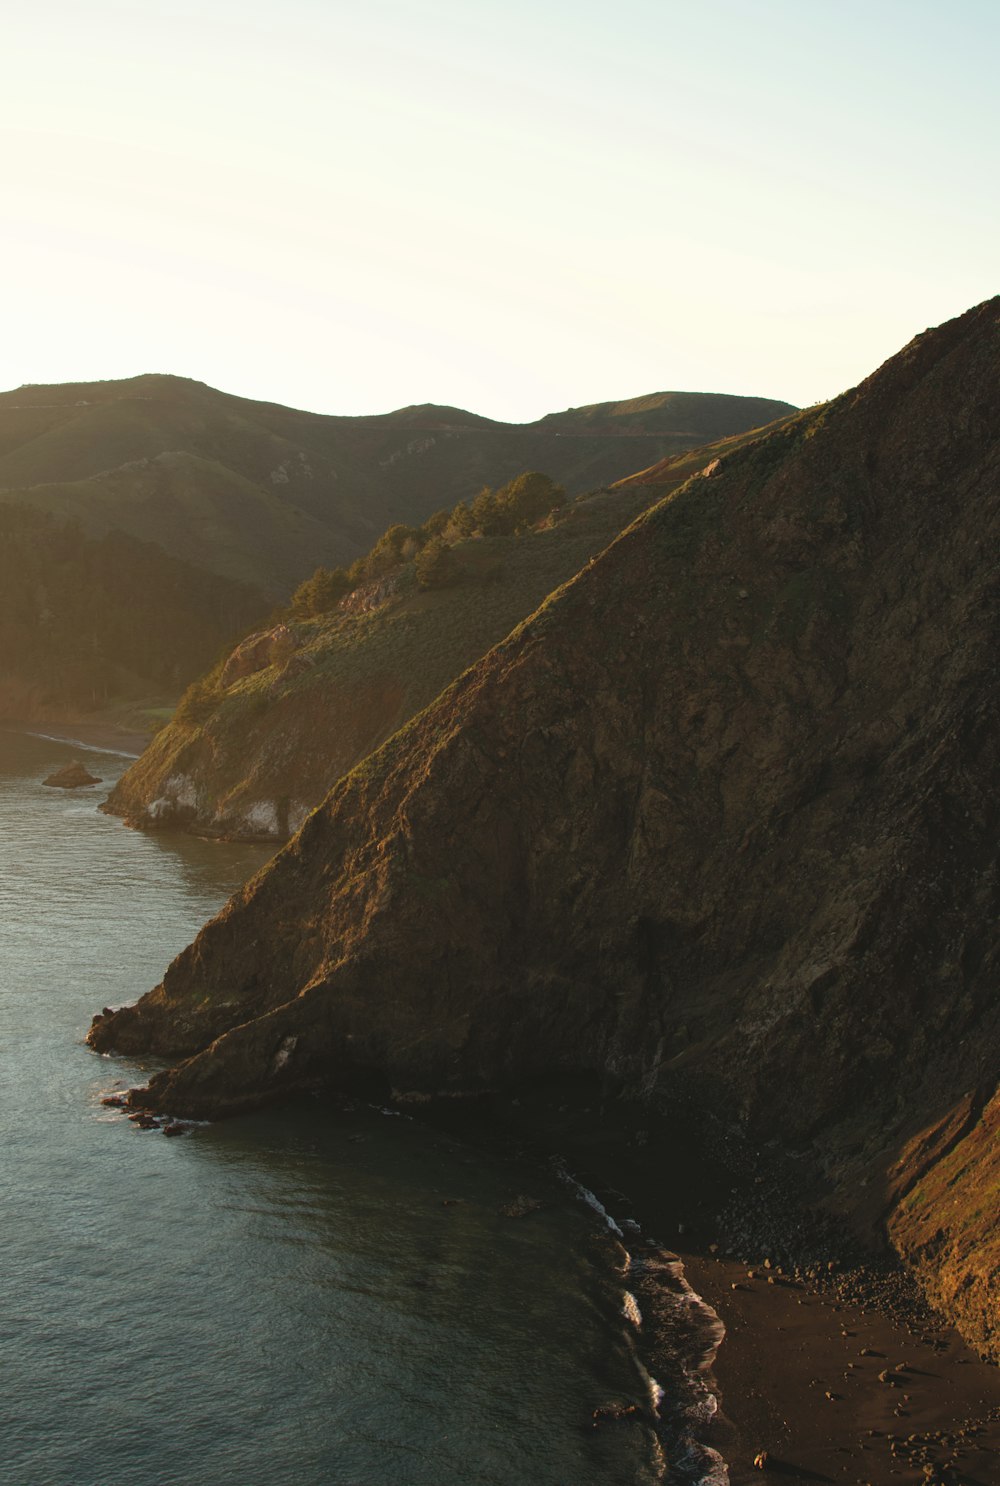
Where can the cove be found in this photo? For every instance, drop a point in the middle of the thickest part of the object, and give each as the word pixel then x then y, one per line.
pixel 290 1298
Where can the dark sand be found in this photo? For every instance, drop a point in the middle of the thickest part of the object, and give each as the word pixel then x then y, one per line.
pixel 790 1374
pixel 788 1347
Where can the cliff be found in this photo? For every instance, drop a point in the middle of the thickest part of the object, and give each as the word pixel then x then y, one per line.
pixel 299 705
pixel 720 815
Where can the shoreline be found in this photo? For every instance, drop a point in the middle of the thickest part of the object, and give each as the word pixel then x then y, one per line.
pixel 678 1379
pixel 92 737
pixel 796 1373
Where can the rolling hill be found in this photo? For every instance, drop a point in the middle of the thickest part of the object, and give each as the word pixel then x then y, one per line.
pixel 261 493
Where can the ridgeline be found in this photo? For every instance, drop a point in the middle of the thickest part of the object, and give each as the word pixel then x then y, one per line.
pixel 260 493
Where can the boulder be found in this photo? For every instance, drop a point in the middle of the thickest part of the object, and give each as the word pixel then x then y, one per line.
pixel 71 776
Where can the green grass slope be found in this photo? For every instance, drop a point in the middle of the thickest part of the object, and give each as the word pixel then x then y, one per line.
pixel 198 511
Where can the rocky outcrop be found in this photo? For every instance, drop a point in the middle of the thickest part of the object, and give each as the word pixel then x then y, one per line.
pixel 71 776
pixel 258 651
pixel 947 1225
pixel 721 816
pixel 370 595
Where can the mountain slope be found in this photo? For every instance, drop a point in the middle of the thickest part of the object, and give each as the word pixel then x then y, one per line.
pixel 721 814
pixel 297 707
pixel 261 493
pixel 90 621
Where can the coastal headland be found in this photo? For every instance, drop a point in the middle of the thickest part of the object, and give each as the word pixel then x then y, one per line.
pixel 717 827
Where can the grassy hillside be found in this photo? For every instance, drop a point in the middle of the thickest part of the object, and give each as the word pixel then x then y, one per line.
pixel 260 493
pixel 196 510
pixel 257 744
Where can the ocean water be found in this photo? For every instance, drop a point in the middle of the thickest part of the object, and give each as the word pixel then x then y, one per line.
pixel 301 1297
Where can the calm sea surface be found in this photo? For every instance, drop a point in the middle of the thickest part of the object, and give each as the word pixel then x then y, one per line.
pixel 302 1297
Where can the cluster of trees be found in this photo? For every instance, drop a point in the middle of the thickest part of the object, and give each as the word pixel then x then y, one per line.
pixel 89 620
pixel 515 507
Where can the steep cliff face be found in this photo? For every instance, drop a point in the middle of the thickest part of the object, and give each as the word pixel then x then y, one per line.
pixel 721 813
pixel 946 1222
pixel 299 705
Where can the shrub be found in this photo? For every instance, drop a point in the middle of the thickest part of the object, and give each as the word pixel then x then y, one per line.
pixel 198 702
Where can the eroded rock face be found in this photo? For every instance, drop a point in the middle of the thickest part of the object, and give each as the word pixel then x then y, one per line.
pixel 721 815
pixel 947 1225
pixel 257 652
pixel 183 805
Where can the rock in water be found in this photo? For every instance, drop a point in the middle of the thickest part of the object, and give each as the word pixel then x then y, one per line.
pixel 721 816
pixel 71 776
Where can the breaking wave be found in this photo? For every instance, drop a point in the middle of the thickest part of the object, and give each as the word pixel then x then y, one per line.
pixel 678 1334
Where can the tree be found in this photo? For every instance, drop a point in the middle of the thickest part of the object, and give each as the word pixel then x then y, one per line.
pixel 329 587
pixel 461 523
pixel 434 525
pixel 392 549
pixel 320 593
pixel 486 514
pixel 527 498
pixel 436 566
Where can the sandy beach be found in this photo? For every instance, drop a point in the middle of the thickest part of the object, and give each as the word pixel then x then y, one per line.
pixel 798 1375
pixel 103 737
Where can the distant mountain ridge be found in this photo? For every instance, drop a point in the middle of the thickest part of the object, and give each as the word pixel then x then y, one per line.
pixel 261 493
pixel 705 416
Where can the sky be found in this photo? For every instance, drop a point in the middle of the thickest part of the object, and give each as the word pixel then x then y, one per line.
pixel 510 207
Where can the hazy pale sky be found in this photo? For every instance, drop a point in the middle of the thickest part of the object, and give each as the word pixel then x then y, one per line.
pixel 513 207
